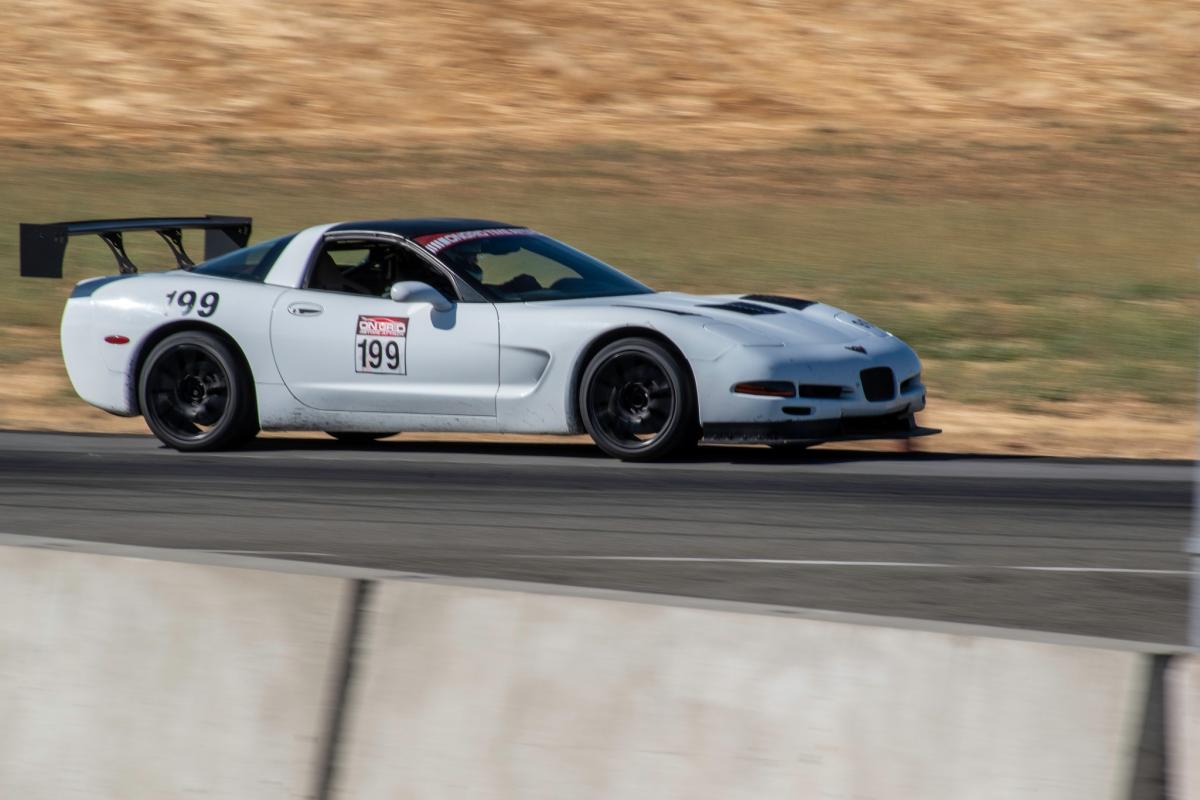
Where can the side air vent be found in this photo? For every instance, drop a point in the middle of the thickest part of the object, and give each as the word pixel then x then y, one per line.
pixel 878 384
pixel 737 306
pixel 780 300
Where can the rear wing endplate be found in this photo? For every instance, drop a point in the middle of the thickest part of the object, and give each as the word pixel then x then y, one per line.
pixel 44 246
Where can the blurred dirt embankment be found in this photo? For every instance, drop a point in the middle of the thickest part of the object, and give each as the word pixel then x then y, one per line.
pixel 719 74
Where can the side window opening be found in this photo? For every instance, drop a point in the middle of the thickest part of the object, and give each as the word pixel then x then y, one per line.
pixel 370 268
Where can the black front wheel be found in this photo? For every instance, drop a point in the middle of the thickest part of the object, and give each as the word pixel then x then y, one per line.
pixel 195 395
pixel 637 401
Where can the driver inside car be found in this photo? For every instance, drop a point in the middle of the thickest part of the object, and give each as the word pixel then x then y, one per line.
pixel 465 257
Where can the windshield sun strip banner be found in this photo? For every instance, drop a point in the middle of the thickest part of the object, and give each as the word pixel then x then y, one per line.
pixel 437 242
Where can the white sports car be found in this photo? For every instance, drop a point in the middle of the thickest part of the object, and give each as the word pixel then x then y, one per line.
pixel 367 329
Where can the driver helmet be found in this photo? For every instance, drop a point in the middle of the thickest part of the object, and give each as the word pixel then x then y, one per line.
pixel 466 258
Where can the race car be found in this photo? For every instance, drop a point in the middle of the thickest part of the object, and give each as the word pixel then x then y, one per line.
pixel 372 328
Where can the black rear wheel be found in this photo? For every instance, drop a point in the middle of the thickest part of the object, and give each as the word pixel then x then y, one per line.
pixel 637 401
pixel 195 395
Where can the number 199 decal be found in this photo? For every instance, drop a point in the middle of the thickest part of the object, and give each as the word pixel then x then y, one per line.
pixel 189 300
pixel 379 344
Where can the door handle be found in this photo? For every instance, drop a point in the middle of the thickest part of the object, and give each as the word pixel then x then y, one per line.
pixel 304 309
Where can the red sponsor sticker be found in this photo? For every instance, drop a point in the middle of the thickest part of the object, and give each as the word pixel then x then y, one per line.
pixel 382 326
pixel 436 242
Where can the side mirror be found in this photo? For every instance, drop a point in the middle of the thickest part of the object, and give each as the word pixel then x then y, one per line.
pixel 418 292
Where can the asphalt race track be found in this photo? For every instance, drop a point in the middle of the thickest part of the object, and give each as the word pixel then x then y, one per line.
pixel 1091 547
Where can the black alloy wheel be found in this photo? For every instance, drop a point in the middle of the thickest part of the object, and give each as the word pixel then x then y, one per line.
pixel 637 401
pixel 195 395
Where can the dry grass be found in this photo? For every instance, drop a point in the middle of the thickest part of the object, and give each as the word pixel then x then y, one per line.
pixel 718 74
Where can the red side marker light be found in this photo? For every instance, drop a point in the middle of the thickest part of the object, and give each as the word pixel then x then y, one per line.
pixel 766 388
pixel 117 338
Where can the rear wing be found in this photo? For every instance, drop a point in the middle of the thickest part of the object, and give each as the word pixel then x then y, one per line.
pixel 44 246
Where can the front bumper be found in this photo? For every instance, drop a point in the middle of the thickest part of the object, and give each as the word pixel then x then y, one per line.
pixel 839 394
pixel 843 429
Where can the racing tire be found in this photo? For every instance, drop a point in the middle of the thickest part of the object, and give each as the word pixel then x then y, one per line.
pixel 195 395
pixel 358 437
pixel 638 402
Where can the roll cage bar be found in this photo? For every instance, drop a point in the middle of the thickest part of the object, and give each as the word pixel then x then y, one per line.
pixel 466 292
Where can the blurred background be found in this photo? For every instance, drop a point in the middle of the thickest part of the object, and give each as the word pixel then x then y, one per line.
pixel 1012 187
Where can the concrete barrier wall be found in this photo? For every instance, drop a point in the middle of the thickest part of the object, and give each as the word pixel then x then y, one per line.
pixel 469 693
pixel 1183 728
pixel 128 678
pixel 134 678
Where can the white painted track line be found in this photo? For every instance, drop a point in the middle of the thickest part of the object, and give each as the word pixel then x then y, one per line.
pixel 799 562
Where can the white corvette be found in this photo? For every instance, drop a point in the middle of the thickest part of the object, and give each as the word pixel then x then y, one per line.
pixel 367 329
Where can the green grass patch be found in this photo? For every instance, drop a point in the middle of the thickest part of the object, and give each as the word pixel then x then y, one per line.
pixel 1013 301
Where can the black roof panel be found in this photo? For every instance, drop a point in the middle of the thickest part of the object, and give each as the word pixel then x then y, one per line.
pixel 423 226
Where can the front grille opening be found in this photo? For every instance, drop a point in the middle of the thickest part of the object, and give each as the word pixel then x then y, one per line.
pixel 797 411
pixel 820 391
pixel 878 383
pixel 910 383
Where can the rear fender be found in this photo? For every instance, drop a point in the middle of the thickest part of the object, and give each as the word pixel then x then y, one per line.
pixel 141 311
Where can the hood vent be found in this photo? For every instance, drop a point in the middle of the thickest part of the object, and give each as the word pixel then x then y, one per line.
pixel 677 312
pixel 739 307
pixel 780 300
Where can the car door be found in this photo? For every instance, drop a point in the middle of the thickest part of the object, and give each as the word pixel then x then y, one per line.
pixel 353 352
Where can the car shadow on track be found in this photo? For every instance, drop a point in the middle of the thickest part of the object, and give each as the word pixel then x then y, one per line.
pixel 574 449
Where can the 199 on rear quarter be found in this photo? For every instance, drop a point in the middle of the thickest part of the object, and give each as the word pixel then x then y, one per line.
pixel 366 329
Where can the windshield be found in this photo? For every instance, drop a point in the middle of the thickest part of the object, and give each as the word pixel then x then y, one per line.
pixel 247 264
pixel 518 265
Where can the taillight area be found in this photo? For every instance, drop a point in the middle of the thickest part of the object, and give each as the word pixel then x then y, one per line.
pixel 766 388
pixel 116 338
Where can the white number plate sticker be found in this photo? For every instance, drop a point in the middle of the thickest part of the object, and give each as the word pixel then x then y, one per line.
pixel 379 344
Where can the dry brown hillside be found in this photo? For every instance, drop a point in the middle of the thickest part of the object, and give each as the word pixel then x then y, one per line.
pixel 713 74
